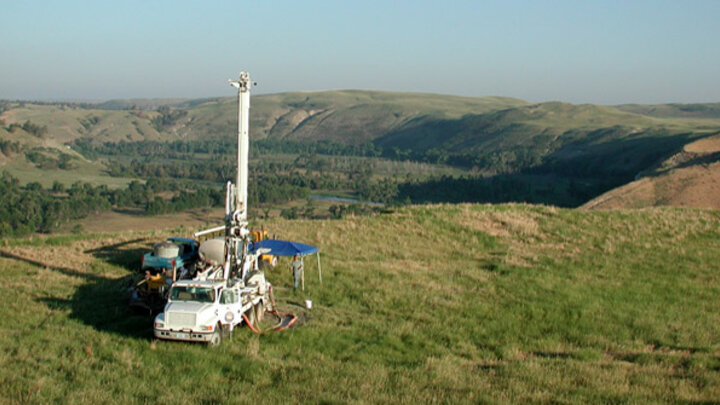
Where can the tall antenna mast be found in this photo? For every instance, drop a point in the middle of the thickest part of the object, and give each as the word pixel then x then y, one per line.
pixel 236 198
pixel 241 194
pixel 237 260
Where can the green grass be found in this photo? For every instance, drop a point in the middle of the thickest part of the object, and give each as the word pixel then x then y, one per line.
pixel 452 304
pixel 83 171
pixel 66 124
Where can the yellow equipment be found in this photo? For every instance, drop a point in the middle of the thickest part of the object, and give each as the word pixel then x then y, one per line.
pixel 258 236
pixel 155 282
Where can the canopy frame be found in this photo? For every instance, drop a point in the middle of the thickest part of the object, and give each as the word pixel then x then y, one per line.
pixel 289 249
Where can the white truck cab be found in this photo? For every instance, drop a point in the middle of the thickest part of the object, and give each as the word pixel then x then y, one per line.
pixel 207 311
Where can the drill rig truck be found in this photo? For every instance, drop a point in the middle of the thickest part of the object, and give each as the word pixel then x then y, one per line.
pixel 229 288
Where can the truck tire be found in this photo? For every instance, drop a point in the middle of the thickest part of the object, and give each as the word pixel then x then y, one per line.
pixel 226 332
pixel 216 338
pixel 251 317
pixel 259 310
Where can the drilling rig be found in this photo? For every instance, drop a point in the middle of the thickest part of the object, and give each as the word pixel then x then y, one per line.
pixel 229 288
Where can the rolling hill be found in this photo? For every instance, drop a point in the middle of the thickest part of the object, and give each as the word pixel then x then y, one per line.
pixel 707 110
pixel 345 116
pixel 591 148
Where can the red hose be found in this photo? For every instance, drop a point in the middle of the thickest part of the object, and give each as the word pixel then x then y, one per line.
pixel 275 312
pixel 250 325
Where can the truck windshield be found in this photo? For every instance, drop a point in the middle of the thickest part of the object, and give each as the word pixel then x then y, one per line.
pixel 201 294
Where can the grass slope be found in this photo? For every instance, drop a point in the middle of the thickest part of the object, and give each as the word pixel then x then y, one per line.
pixel 346 116
pixel 546 127
pixel 457 304
pixel 66 124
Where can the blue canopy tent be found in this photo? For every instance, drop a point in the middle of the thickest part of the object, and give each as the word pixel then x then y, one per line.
pixel 288 248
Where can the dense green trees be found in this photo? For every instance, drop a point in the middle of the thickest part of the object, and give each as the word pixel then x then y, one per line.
pixel 39 131
pixel 283 170
pixel 9 148
pixel 30 209
pixel 167 117
pixel 47 161
pixel 186 199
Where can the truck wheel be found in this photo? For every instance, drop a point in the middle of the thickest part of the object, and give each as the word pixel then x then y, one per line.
pixel 216 338
pixel 226 331
pixel 259 312
pixel 251 316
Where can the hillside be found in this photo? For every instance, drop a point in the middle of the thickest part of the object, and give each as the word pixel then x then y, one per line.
pixel 690 178
pixel 708 110
pixel 527 136
pixel 552 153
pixel 349 116
pixel 431 304
pixel 520 124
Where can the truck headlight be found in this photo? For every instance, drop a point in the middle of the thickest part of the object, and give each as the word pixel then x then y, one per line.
pixel 229 316
pixel 159 325
pixel 207 327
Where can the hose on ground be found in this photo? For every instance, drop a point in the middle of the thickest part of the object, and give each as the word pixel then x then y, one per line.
pixel 281 315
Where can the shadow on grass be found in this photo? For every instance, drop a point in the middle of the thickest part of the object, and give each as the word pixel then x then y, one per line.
pixel 119 254
pixel 100 302
pixel 68 271
pixel 552 355
pixel 103 303
pixel 137 212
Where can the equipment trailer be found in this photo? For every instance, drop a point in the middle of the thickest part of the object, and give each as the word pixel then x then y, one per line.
pixel 228 289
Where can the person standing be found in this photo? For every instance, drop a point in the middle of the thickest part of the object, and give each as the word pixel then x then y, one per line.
pixel 298 268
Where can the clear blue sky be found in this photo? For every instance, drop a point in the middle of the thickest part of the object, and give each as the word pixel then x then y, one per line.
pixel 604 52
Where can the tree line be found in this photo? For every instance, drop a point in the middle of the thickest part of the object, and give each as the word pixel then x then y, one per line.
pixel 505 161
pixel 30 127
pixel 29 209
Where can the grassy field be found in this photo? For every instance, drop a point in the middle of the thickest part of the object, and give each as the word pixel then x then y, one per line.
pixel 452 304
pixel 83 171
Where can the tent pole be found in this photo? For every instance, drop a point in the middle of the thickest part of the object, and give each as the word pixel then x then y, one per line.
pixel 319 268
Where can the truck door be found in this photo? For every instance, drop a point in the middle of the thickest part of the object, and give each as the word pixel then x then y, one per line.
pixel 230 307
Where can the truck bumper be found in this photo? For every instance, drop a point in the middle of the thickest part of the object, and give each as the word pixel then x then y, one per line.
pixel 184 336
